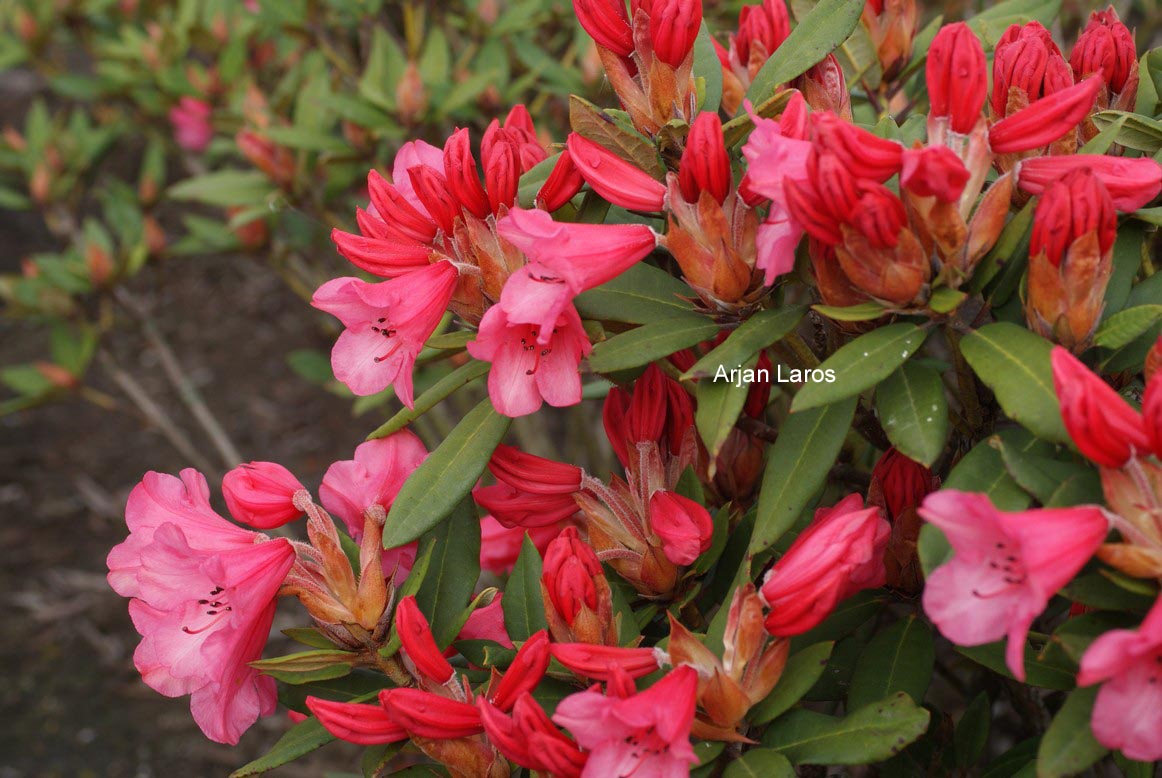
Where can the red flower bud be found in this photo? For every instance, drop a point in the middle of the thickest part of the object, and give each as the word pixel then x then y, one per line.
pixel 1152 412
pixel 613 178
pixel 879 215
pixel 393 207
pixel 705 164
pixel 502 176
pixel 1103 425
pixel 563 183
pixel 418 643
pixel 569 571
pixel 767 24
pixel 863 154
pixel 1075 206
pixel 674 26
pixel 901 482
pixel 607 23
pixel 365 725
pixel 525 672
pixel 684 526
pixel 934 171
pixel 1106 47
pixel 602 662
pixel 1027 65
pixel 532 491
pixel 658 410
pixel 839 554
pixel 460 172
pixel 1131 182
pixel 528 738
pixel 428 715
pixel 261 494
pixel 432 189
pixel 957 76
pixel 1045 120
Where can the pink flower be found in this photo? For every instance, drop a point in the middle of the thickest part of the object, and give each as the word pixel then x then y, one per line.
pixel 1005 567
pixel 487 623
pixel 684 526
pixel 1103 425
pixel 365 725
pixel 419 645
pixel 840 553
pixel 500 545
pixel 386 326
pixel 261 494
pixel 191 124
pixel 526 372
pixel 564 261
pixel 531 491
pixel 645 735
pixel 1128 713
pixel 370 482
pixel 203 601
pixel 1131 182
pixel 616 180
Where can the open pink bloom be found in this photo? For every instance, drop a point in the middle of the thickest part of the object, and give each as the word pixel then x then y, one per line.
pixel 1005 567
pixel 191 124
pixel 840 553
pixel 371 481
pixel 261 494
pixel 203 601
pixel 1103 426
pixel 1128 712
pixel 684 526
pixel 564 261
pixel 387 324
pixel 526 371
pixel 646 735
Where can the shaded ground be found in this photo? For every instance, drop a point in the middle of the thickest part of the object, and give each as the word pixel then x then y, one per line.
pixel 71 702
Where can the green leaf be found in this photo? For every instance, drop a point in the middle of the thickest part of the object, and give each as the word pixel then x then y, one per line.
pixel 534 178
pixel 446 476
pixel 1123 327
pixel 308 666
pixel 1127 259
pixel 301 739
pixel 640 295
pixel 899 659
pixel 719 404
pixel 870 734
pixel 1014 363
pixel 913 410
pixel 385 66
pixel 802 671
pixel 589 121
pixel 760 763
pixel 709 69
pixel 753 335
pixel 452 573
pixel 441 390
pixel 972 731
pixel 1069 746
pixel 860 312
pixel 816 36
pixel 1047 675
pixel 983 470
pixel 224 188
pixel 524 610
pixel 644 344
pixel 797 468
pixel 862 364
pixel 1138 132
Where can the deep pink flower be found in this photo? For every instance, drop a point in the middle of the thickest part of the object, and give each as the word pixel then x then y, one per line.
pixel 371 480
pixel 500 545
pixel 261 494
pixel 365 725
pixel 838 554
pixel 415 635
pixel 386 326
pixel 487 623
pixel 204 595
pixel 526 372
pixel 528 738
pixel 647 734
pixel 604 662
pixel 1103 426
pixel 1128 713
pixel 564 260
pixel 531 491
pixel 191 124
pixel 616 180
pixel 1005 567
pixel 684 526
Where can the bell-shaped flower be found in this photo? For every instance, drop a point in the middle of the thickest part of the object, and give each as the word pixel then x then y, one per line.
pixel 838 554
pixel 1127 715
pixel 646 734
pixel 261 494
pixel 684 527
pixel 526 372
pixel 386 326
pixel 1005 566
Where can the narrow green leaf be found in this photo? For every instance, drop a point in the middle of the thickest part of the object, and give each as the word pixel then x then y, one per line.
pixel 1069 745
pixel 644 344
pixel 913 410
pixel 1138 132
pixel 640 295
pixel 899 659
pixel 861 312
pixel 300 740
pixel 452 573
pixel 446 476
pixel 1014 363
pixel 760 763
pixel 719 404
pixel 224 188
pixel 972 731
pixel 524 610
pixel 708 68
pixel 597 125
pixel 802 671
pixel 861 364
pixel 816 36
pixel 797 467
pixel 441 390
pixel 870 734
pixel 753 335
pixel 1123 327
pixel 1037 672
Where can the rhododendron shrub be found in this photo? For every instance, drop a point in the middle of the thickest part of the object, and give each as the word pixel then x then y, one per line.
pixel 878 481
